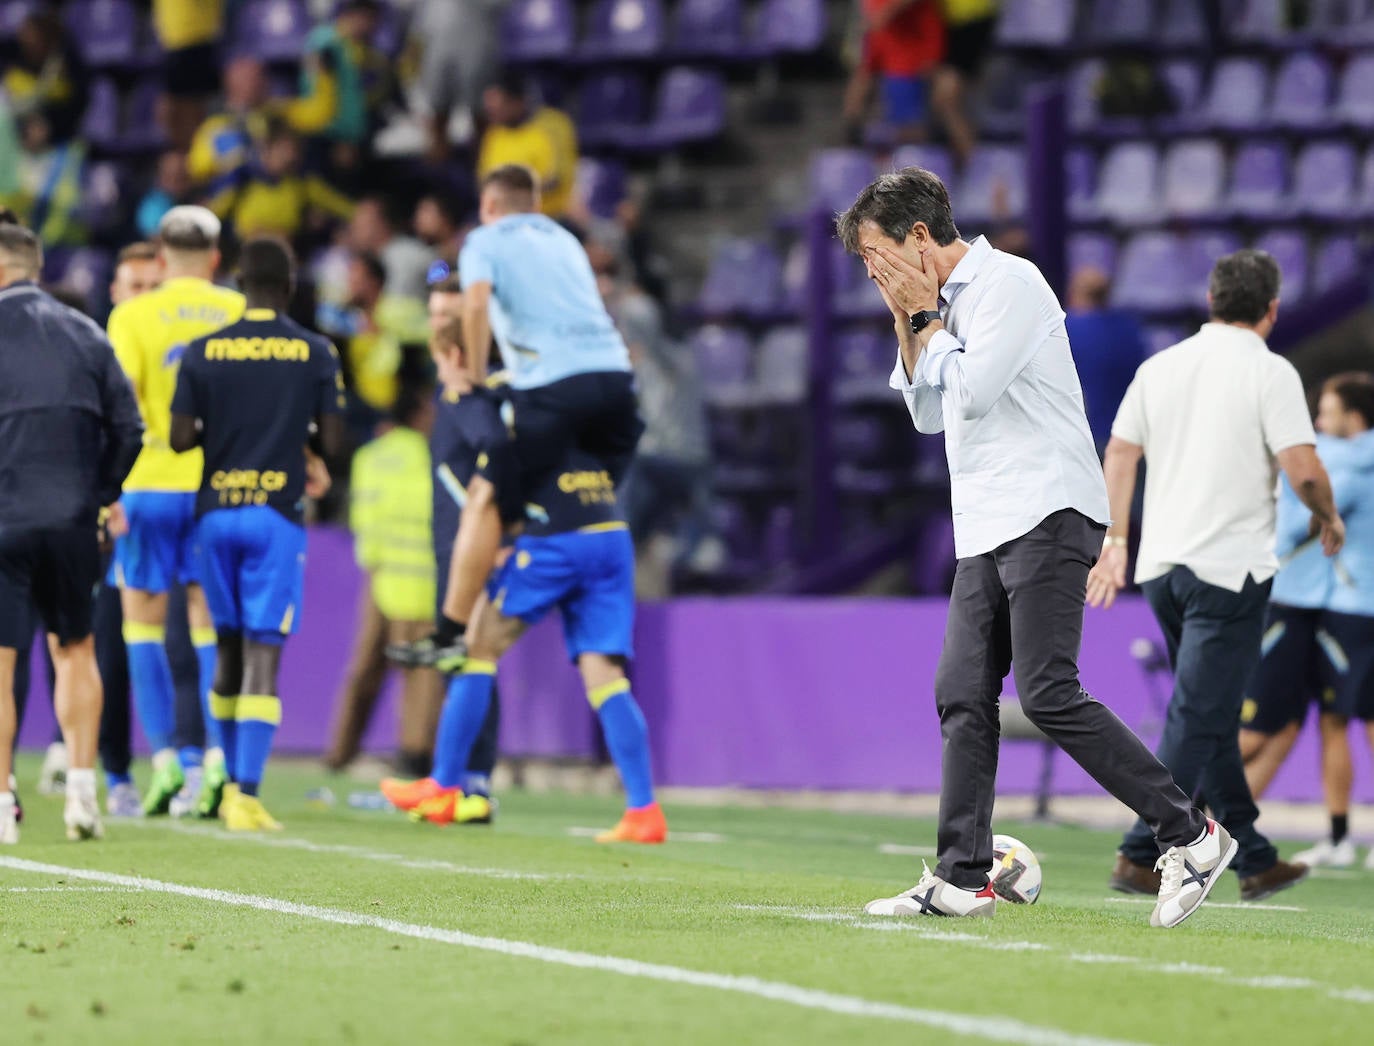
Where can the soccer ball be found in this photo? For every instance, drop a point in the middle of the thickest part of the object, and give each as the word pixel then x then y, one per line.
pixel 1015 871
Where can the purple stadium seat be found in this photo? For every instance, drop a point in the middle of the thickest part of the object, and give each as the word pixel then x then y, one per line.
pixel 1202 249
pixel 1128 184
pixel 273 30
pixel 690 108
pixel 1184 25
pixel 861 440
pixel 1036 23
pixel 620 29
pixel 1257 21
pixel 1259 181
pixel 783 371
pixel 105 32
pixel 1337 260
pixel 12 13
pixel 1355 99
pixel 1324 181
pixel 601 184
pixel 731 523
pixel 1238 95
pixel 1081 90
pixel 1080 172
pixel 1302 92
pixel 863 360
pixel 933 158
pixel 141 131
pixel 789 27
pixel 1289 248
pixel 85 270
pixel 853 296
pixel 539 30
pixel 839 175
pixel 993 187
pixel 745 277
pixel 1160 336
pixel 1364 202
pixel 611 106
pixel 1149 275
pixel 1092 250
pixel 709 29
pixel 100 123
pixel 1111 22
pixel 725 362
pixel 1194 174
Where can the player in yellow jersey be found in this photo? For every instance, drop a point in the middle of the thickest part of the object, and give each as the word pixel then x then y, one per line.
pixel 156 524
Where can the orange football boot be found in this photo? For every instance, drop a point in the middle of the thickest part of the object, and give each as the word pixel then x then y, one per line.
pixel 643 825
pixel 407 795
pixel 451 806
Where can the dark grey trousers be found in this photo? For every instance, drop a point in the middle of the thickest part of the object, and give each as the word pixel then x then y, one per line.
pixel 1021 606
pixel 1213 637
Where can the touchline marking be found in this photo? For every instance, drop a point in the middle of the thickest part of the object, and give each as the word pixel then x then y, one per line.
pixel 64 889
pixel 587 832
pixel 927 931
pixel 1213 904
pixel 1006 1029
pixel 290 842
pixel 899 850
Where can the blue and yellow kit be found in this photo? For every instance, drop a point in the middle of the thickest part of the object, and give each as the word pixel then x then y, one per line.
pixel 256 387
pixel 574 555
pixel 149 334
pixel 465 426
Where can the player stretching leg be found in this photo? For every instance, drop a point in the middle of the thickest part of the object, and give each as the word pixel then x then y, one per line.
pixel 248 395
pixel 575 556
pixel 157 513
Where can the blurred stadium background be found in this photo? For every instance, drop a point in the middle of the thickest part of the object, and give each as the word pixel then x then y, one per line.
pixel 1123 146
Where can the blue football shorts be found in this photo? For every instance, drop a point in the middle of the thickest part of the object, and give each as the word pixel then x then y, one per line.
pixel 158 552
pixel 252 565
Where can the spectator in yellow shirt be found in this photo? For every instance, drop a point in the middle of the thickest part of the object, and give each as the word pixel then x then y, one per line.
pixel 542 140
pixel 276 197
pixel 189 32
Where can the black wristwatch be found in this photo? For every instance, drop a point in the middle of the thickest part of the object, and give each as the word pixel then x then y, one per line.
pixel 921 320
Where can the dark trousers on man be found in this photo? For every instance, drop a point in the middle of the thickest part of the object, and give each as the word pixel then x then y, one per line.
pixel 1213 636
pixel 1021 606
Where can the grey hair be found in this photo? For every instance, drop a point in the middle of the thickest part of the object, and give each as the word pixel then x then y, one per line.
pixel 897 201
pixel 1242 285
pixel 20 250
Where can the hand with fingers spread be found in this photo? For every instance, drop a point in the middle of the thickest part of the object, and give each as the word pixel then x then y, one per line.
pixel 913 287
pixel 1107 577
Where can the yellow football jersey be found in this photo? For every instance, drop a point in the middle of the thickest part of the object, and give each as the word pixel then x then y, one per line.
pixel 149 334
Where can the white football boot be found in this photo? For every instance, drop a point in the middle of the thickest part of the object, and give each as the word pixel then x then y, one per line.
pixel 1188 873
pixel 82 813
pixel 52 777
pixel 9 820
pixel 1327 854
pixel 933 896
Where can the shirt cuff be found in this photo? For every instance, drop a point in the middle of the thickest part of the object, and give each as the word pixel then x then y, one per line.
pixel 898 380
pixel 942 345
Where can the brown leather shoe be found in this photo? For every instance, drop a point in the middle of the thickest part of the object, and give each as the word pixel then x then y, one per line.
pixel 1266 884
pixel 1129 877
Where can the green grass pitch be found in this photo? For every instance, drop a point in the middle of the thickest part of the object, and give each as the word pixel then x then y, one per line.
pixel 358 927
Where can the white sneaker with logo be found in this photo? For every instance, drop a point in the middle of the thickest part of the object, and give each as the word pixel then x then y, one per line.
pixel 1188 873
pixel 933 896
pixel 1327 854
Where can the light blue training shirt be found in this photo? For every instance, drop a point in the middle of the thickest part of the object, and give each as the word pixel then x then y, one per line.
pixel 546 312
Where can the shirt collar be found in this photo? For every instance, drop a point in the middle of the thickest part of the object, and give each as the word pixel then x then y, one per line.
pixel 1215 328
pixel 979 251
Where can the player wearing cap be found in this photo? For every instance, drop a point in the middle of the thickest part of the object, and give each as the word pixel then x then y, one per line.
pixel 155 525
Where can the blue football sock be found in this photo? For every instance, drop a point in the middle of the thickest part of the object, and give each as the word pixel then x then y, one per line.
pixel 224 712
pixel 111 780
pixel 204 640
pixel 150 675
pixel 627 739
pixel 191 756
pixel 256 719
pixel 465 709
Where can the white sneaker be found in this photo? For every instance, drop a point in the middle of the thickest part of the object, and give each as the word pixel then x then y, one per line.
pixel 82 817
pixel 1188 873
pixel 9 821
pixel 52 778
pixel 184 802
pixel 933 896
pixel 1327 854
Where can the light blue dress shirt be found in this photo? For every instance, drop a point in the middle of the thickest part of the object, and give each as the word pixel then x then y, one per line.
pixel 1000 382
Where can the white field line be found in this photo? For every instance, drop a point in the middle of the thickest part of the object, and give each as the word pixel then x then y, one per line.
pixel 1004 1029
pixel 64 889
pixel 1212 904
pixel 899 850
pixel 290 842
pixel 587 832
pixel 927 930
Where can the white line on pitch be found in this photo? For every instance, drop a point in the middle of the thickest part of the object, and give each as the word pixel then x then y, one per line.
pixel 1005 1029
pixel 64 889
pixel 587 832
pixel 290 842
pixel 1250 907
pixel 899 850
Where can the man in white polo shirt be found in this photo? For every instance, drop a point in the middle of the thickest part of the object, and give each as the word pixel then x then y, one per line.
pixel 983 356
pixel 1213 416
